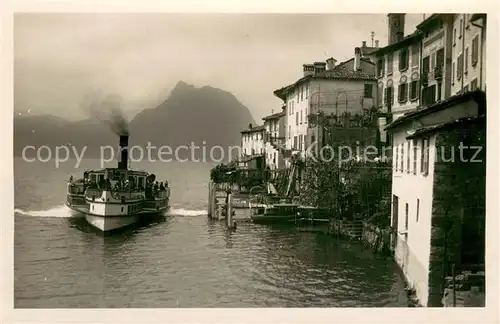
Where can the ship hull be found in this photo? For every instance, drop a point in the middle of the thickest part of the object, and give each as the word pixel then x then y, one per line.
pixel 110 223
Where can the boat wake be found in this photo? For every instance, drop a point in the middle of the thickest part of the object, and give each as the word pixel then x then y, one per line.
pixel 186 212
pixel 59 211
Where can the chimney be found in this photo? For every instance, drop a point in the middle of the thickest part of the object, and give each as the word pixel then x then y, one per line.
pixel 396 24
pixel 319 67
pixel 308 69
pixel 330 63
pixel 357 59
pixel 123 163
pixel 364 44
pixel 376 43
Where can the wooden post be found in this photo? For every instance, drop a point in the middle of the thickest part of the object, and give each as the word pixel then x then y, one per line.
pixel 213 200
pixel 229 211
pixel 210 198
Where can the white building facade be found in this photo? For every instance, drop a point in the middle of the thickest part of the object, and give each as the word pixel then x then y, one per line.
pixel 252 140
pixel 398 71
pixel 274 140
pixel 328 88
pixel 468 53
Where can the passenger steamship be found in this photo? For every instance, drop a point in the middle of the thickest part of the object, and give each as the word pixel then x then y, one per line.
pixel 113 198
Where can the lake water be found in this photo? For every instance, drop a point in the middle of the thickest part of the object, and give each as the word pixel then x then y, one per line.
pixel 184 259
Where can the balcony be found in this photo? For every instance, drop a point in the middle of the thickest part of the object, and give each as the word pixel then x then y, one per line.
pixel 438 72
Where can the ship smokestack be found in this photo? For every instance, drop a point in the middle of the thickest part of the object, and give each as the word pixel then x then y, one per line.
pixel 123 163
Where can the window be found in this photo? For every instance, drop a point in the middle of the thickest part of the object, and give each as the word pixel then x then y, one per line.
pixel 475 51
pixel 301 93
pixel 389 98
pixel 460 66
pixel 313 139
pixel 407 210
pixel 415 55
pixel 389 63
pixel 415 145
pixel 402 162
pixel 473 84
pixel 408 156
pixel 403 59
pixel 396 160
pixel 301 116
pixel 289 131
pixel 402 92
pixel 466 63
pixel 454 36
pixel 418 208
pixel 424 156
pixel 461 27
pixel 466 88
pixel 429 95
pixel 368 90
pixel 439 89
pixel 296 118
pixel 440 58
pixel 380 67
pixel 414 90
pixel 453 73
pixel 425 65
pixel 295 142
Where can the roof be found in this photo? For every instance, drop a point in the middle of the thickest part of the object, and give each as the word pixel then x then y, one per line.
pixel 254 129
pixel 367 50
pixel 339 72
pixel 429 22
pixel 477 95
pixel 274 116
pixel 447 125
pixel 477 16
pixel 407 40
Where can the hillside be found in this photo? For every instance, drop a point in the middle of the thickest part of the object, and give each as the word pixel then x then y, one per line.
pixel 189 115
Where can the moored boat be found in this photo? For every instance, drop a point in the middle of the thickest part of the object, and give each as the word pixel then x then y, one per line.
pixel 277 213
pixel 113 198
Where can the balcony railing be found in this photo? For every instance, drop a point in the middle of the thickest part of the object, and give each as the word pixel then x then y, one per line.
pixel 438 72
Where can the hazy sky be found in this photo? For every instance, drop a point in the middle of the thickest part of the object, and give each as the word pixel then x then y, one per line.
pixel 59 57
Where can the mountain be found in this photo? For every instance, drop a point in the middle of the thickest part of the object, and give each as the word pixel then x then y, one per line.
pixel 189 116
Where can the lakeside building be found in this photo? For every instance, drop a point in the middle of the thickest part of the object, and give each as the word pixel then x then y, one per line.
pixel 274 140
pixel 438 193
pixel 346 89
pixel 398 70
pixel 252 140
pixel 468 53
pixel 425 189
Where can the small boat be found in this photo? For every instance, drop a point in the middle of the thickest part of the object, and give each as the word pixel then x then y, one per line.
pixel 277 213
pixel 114 198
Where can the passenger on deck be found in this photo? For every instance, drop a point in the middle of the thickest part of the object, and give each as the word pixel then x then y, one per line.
pixel 162 187
pixel 156 186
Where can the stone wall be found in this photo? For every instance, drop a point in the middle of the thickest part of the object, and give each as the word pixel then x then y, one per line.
pixel 376 238
pixel 458 201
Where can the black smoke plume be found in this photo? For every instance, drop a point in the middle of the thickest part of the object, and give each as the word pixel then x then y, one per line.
pixel 107 109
